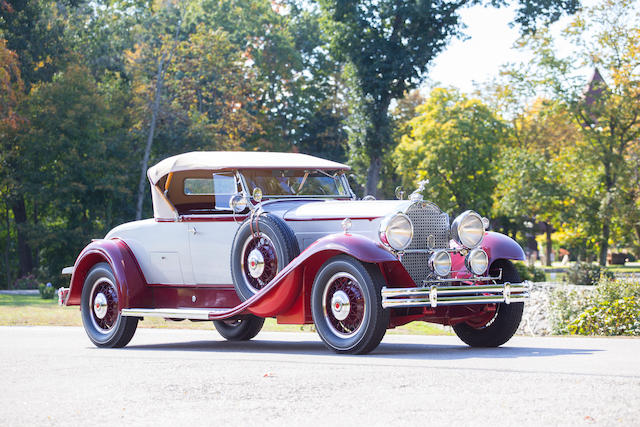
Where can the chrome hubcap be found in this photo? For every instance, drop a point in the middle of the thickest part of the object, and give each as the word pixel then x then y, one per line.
pixel 256 263
pixel 340 305
pixel 100 305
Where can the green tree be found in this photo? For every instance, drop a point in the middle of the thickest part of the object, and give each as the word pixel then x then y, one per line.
pixel 391 44
pixel 454 142
pixel 11 95
pixel 533 178
pixel 71 171
pixel 606 38
pixel 211 83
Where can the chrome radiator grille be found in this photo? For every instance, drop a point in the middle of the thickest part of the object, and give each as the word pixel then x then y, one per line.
pixel 430 231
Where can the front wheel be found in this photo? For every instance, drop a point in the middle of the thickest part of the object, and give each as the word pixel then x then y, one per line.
pixel 504 323
pixel 241 329
pixel 101 317
pixel 346 305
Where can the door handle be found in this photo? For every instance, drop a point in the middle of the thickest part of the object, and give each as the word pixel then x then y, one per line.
pixel 193 230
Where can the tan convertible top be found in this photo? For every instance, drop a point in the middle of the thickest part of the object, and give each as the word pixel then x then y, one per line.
pixel 225 160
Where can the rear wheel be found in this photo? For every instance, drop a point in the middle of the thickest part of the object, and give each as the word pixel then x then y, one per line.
pixel 499 329
pixel 240 329
pixel 346 304
pixel 101 317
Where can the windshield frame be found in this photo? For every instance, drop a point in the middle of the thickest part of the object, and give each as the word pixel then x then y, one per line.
pixel 338 176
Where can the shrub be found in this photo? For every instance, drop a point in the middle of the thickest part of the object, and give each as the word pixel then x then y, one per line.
pixel 619 317
pixel 25 282
pixel 566 304
pixel 586 274
pixel 47 291
pixel 529 272
pixel 609 308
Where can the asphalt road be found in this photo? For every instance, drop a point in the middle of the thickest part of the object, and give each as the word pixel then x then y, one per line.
pixel 54 376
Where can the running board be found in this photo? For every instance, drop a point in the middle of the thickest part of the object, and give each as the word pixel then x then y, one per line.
pixel 175 313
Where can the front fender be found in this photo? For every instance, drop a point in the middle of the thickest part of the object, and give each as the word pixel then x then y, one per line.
pixel 286 288
pixel 130 282
pixel 498 246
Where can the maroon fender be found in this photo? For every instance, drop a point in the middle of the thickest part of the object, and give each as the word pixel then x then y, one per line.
pixel 497 246
pixel 279 295
pixel 132 290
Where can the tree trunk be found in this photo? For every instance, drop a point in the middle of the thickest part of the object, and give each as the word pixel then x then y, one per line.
pixel 8 247
pixel 36 249
pixel 373 177
pixel 24 251
pixel 604 243
pixel 163 62
pixel 152 128
pixel 549 244
pixel 378 136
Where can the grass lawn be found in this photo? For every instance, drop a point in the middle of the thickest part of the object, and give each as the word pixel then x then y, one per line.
pixel 557 272
pixel 31 310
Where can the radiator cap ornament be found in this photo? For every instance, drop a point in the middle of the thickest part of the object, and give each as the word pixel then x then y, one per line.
pixel 416 196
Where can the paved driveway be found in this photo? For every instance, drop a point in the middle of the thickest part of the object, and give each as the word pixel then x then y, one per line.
pixel 53 375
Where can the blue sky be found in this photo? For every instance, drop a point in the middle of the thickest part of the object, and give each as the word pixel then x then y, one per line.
pixel 480 57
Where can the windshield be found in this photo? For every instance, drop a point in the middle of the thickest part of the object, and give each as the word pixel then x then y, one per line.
pixel 290 183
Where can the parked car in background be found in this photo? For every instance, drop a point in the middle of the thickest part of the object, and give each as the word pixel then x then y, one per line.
pixel 237 237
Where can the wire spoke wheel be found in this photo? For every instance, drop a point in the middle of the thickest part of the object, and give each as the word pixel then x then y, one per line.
pixel 104 303
pixel 344 304
pixel 259 261
pixel 100 306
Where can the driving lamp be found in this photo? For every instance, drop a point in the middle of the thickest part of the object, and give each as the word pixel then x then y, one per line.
pixel 477 261
pixel 237 203
pixel 440 262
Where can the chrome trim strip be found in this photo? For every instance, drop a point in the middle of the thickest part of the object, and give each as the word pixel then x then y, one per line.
pixel 423 302
pixel 469 279
pixel 173 313
pixel 454 295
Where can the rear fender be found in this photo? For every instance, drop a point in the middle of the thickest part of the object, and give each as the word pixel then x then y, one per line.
pixel 289 298
pixel 130 282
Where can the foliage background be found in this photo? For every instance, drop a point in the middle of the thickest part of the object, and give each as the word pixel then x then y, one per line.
pixel 91 93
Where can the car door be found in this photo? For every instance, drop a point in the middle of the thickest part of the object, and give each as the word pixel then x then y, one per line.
pixel 211 235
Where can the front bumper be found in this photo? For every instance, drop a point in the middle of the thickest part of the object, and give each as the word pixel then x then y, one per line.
pixel 435 295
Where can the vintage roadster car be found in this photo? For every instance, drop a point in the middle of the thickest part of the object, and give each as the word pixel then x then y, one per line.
pixel 240 236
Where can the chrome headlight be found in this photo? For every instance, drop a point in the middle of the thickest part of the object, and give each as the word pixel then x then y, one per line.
pixel 468 229
pixel 440 263
pixel 396 231
pixel 477 261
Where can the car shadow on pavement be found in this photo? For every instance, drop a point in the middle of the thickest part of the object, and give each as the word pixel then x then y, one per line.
pixel 453 352
pixel 384 350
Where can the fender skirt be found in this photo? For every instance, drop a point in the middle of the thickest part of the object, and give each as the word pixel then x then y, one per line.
pixel 279 295
pixel 130 282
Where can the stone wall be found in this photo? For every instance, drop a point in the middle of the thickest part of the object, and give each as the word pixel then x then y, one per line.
pixel 536 320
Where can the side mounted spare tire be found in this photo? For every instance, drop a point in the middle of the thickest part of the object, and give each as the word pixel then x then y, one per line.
pixel 260 252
